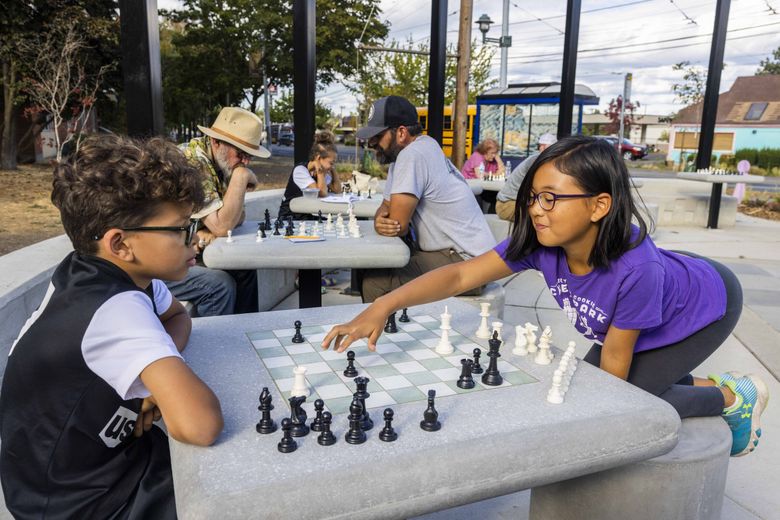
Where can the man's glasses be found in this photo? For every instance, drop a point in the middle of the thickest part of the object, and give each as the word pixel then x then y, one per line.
pixel 548 199
pixel 189 230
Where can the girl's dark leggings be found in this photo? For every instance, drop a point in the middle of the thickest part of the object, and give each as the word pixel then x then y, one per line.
pixel 666 371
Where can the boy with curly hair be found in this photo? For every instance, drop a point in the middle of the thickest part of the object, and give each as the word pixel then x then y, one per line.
pixel 100 359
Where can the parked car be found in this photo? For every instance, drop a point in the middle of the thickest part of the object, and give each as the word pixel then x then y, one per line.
pixel 287 138
pixel 629 150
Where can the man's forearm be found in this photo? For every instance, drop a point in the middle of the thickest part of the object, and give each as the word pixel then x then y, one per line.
pixel 230 214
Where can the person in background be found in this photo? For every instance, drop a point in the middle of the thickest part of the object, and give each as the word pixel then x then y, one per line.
pixel 484 161
pixel 317 173
pixel 505 200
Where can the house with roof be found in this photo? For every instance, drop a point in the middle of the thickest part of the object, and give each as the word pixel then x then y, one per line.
pixel 748 117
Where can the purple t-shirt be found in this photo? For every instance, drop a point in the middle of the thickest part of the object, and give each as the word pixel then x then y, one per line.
pixel 668 296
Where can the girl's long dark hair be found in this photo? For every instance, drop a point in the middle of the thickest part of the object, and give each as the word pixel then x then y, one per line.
pixel 596 167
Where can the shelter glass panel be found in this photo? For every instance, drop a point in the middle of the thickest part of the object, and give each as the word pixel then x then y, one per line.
pixel 516 129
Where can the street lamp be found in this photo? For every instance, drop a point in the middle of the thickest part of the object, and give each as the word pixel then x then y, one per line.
pixel 504 42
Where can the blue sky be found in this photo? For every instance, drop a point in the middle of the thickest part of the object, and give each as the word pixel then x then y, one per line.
pixel 644 37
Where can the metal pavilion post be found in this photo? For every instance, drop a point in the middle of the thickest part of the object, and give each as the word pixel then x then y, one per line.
pixel 710 104
pixel 569 71
pixel 436 69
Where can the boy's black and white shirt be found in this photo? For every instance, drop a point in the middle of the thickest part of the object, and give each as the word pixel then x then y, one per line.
pixel 71 395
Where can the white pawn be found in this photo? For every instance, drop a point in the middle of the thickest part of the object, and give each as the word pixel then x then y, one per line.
pixel 520 342
pixel 530 336
pixel 497 326
pixel 259 237
pixel 229 239
pixel 483 331
pixel 544 356
pixel 444 346
pixel 342 232
pixel 555 396
pixel 299 388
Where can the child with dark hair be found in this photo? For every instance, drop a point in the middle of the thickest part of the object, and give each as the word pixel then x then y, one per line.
pixel 316 174
pixel 654 315
pixel 100 359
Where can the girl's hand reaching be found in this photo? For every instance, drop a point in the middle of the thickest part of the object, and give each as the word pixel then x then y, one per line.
pixel 368 324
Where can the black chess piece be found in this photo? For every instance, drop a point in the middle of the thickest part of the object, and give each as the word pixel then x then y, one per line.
pixel 267 220
pixel 277 226
pixel 326 437
pixel 477 368
pixel 362 393
pixel 287 444
pixel 298 337
pixel 298 426
pixel 492 377
pixel 390 326
pixel 388 434
pixel 466 381
pixel 430 422
pixel 355 435
pixel 350 371
pixel 266 424
pixel 316 424
pixel 404 317
pixel 262 232
pixel 288 231
pixel 319 216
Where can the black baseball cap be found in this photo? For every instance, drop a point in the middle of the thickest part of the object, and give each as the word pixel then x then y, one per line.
pixel 388 112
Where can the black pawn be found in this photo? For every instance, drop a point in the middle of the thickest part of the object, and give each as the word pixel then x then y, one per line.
pixel 277 225
pixel 404 317
pixel 466 381
pixel 355 435
pixel 362 393
pixel 266 424
pixel 492 377
pixel 316 424
pixel 430 422
pixel 298 427
pixel 326 437
pixel 390 327
pixel 262 232
pixel 298 337
pixel 319 216
pixel 288 231
pixel 350 371
pixel 287 444
pixel 477 368
pixel 388 434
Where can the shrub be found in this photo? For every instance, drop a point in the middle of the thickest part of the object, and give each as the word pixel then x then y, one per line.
pixel 765 158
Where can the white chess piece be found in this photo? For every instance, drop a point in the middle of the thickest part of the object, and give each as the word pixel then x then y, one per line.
pixel 555 396
pixel 444 346
pixel 530 336
pixel 259 237
pixel 483 331
pixel 299 388
pixel 342 233
pixel 229 239
pixel 520 342
pixel 543 356
pixel 497 326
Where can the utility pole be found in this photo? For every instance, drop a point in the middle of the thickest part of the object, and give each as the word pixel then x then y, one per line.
pixel 460 114
pixel 623 101
pixel 504 48
pixel 267 109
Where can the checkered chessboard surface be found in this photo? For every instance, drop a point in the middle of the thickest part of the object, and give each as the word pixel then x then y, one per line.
pixel 402 370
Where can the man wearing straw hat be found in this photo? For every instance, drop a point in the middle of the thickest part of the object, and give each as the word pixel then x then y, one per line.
pixel 222 155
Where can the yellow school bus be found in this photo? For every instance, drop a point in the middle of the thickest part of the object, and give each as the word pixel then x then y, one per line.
pixel 422 115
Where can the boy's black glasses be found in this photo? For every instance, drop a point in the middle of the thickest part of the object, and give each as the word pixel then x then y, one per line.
pixel 547 199
pixel 190 230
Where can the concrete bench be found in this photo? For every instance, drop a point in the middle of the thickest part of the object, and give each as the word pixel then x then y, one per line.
pixel 686 484
pixel 685 203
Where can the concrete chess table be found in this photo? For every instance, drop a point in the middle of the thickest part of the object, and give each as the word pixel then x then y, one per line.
pixel 717 182
pixel 365 208
pixel 370 251
pixel 491 443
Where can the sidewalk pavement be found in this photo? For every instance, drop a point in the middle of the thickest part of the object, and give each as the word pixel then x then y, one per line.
pixel 752 250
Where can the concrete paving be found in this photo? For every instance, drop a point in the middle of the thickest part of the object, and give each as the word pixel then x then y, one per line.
pixel 752 250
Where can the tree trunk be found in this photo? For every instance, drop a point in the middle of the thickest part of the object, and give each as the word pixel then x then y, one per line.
pixel 460 115
pixel 8 151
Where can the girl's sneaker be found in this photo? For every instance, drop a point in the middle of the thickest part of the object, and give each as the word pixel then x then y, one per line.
pixel 745 419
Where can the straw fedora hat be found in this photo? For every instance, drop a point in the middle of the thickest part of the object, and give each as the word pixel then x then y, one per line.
pixel 239 127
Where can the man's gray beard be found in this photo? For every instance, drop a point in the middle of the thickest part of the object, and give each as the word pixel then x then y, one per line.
pixel 223 165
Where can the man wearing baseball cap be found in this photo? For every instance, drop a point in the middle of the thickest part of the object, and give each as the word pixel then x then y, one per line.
pixel 222 155
pixel 505 200
pixel 426 199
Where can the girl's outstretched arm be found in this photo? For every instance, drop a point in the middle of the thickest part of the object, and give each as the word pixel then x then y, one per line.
pixel 438 284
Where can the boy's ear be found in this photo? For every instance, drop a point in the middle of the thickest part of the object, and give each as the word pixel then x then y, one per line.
pixel 115 245
pixel 601 207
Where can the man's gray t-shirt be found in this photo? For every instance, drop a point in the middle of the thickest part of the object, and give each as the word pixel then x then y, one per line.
pixel 447 214
pixel 509 191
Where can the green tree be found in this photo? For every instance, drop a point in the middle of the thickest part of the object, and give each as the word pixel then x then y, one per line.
pixel 691 89
pixel 404 74
pixel 613 113
pixel 771 65
pixel 282 112
pixel 217 51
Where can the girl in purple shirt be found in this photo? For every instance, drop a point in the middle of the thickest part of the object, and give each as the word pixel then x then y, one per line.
pixel 653 315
